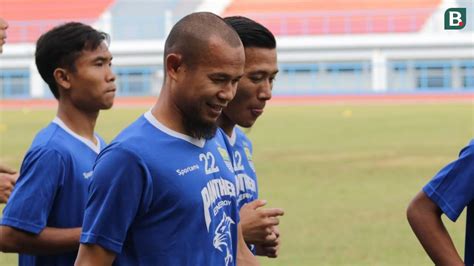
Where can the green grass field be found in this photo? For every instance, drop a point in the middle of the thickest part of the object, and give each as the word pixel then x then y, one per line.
pixel 343 174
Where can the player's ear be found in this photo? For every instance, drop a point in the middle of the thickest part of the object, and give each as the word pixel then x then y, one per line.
pixel 62 78
pixel 173 64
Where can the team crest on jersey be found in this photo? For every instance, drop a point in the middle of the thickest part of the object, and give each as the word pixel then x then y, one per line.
pixel 225 155
pixel 249 156
pixel 248 153
pixel 223 238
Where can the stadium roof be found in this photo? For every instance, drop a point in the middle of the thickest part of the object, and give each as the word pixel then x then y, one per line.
pixel 29 18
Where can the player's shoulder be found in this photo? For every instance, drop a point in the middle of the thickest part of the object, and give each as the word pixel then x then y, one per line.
pixel 468 150
pixel 132 134
pixel 242 138
pixel 51 139
pixel 241 134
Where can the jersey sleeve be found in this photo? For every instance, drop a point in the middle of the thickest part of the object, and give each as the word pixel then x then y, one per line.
pixel 452 188
pixel 119 190
pixel 41 175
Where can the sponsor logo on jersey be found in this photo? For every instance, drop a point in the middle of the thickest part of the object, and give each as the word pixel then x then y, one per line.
pixel 184 171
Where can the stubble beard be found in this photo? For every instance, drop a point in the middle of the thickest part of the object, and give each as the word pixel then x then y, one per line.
pixel 197 128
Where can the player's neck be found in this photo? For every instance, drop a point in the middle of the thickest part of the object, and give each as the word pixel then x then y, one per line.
pixel 168 114
pixel 226 125
pixel 80 122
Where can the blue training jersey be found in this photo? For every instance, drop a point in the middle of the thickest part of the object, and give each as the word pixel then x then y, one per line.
pixel 452 189
pixel 240 148
pixel 158 197
pixel 52 188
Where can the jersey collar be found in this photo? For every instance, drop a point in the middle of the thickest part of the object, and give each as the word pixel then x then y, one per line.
pixel 90 144
pixel 152 120
pixel 233 138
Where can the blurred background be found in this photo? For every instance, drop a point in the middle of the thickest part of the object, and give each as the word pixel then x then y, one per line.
pixel 373 97
pixel 324 47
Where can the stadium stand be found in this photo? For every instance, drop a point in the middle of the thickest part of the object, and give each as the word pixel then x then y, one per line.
pixel 324 47
pixel 310 17
pixel 29 18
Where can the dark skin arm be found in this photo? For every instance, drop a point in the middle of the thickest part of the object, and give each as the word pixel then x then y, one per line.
pixel 244 255
pixel 424 217
pixel 94 255
pixel 49 241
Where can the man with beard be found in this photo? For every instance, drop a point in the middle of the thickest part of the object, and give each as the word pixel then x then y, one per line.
pixel 162 193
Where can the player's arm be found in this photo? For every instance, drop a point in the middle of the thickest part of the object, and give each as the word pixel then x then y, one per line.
pixel 424 217
pixel 94 255
pixel 25 217
pixel 258 223
pixel 244 256
pixel 49 241
pixel 108 214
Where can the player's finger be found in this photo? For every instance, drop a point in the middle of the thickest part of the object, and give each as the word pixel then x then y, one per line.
pixel 272 221
pixel 276 231
pixel 6 169
pixel 271 252
pixel 271 240
pixel 273 212
pixel 257 203
pixel 13 178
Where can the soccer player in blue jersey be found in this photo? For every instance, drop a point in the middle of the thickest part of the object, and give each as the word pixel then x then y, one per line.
pixel 259 225
pixel 43 218
pixel 449 192
pixel 162 192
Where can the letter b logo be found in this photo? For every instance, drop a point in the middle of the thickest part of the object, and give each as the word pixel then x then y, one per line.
pixel 455 19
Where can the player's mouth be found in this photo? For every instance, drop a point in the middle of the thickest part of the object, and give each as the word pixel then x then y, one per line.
pixel 111 90
pixel 257 110
pixel 216 109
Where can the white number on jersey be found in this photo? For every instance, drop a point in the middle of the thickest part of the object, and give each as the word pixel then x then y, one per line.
pixel 209 163
pixel 238 162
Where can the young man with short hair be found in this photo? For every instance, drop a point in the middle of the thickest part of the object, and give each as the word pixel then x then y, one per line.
pixel 43 218
pixel 259 225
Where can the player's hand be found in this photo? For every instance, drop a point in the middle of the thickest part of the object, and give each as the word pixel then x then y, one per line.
pixel 7 170
pixel 8 179
pixel 270 249
pixel 258 223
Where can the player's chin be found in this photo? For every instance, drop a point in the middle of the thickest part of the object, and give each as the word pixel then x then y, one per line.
pixel 210 118
pixel 107 104
pixel 246 122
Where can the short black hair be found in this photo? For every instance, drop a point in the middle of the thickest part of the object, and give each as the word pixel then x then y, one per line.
pixel 61 46
pixel 252 33
pixel 190 35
